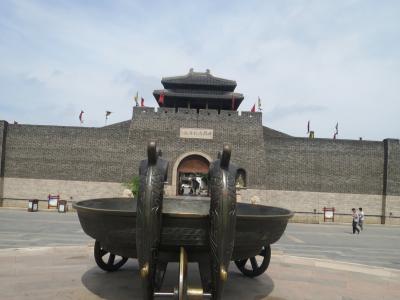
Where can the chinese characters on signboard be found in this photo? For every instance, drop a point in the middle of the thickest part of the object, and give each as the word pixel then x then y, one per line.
pixel 196 133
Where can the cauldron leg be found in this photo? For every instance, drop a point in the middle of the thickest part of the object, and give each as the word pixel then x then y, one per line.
pixel 153 172
pixel 161 268
pixel 222 218
pixel 205 274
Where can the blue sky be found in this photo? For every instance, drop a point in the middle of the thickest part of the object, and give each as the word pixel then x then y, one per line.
pixel 324 61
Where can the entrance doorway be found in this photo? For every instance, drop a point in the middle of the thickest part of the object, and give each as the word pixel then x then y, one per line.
pixel 192 176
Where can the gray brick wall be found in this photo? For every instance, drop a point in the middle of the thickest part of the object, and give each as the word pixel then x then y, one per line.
pixel 3 131
pixel 244 132
pixel 393 167
pixel 113 153
pixel 3 134
pixel 273 161
pixel 322 165
pixel 70 153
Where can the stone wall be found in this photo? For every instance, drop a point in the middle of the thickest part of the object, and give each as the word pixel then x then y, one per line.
pixel 393 167
pixel 21 189
pixel 17 191
pixel 244 132
pixel 298 173
pixel 65 153
pixel 322 165
pixel 3 134
pixel 309 205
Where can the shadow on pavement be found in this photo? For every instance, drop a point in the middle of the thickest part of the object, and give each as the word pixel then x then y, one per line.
pixel 125 283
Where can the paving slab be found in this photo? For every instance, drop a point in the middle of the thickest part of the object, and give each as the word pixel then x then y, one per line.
pixel 70 272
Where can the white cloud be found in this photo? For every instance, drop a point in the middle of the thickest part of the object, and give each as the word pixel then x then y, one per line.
pixel 341 56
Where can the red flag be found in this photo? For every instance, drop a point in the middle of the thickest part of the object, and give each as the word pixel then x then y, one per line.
pixel 253 109
pixel 308 127
pixel 233 102
pixel 81 116
pixel 161 99
pixel 142 102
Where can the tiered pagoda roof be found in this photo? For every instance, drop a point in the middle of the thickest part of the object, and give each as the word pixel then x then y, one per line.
pixel 199 90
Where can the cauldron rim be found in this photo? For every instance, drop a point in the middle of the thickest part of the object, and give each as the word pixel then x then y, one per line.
pixel 123 212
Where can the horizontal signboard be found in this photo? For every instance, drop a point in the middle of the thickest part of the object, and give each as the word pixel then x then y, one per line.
pixel 196 133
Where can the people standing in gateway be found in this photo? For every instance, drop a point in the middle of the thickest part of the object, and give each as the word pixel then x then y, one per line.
pixel 361 218
pixel 355 221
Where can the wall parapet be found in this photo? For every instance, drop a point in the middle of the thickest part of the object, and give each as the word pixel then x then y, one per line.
pixel 137 110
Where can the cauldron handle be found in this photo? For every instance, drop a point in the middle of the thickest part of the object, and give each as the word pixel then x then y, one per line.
pixel 152 172
pixel 223 219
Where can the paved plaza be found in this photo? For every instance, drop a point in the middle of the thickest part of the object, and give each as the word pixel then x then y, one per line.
pixel 45 255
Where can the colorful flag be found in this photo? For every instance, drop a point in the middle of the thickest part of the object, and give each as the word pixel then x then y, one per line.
pixel 253 109
pixel 107 114
pixel 142 102
pixel 259 104
pixel 233 102
pixel 308 126
pixel 136 98
pixel 81 116
pixel 161 99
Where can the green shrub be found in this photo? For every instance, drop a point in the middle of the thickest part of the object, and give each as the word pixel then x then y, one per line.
pixel 133 185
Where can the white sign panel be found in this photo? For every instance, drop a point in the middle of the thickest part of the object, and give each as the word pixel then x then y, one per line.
pixel 53 201
pixel 196 133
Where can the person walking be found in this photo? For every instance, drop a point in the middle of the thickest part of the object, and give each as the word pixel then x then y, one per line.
pixel 355 221
pixel 361 218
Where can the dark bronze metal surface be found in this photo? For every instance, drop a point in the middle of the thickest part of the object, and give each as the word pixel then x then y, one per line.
pixel 112 221
pixel 157 231
pixel 222 219
pixel 152 172
pixel 255 268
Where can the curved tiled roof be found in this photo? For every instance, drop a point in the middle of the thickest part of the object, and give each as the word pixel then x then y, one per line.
pixel 199 79
pixel 200 95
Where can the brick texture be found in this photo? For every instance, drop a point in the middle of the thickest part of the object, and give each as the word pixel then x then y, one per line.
pixel 272 160
pixel 69 153
pixel 322 165
pixel 393 172
pixel 3 133
pixel 244 132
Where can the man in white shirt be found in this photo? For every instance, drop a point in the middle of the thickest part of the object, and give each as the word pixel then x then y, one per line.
pixel 360 217
pixel 355 221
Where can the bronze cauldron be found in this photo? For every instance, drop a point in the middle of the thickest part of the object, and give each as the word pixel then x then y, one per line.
pixel 157 231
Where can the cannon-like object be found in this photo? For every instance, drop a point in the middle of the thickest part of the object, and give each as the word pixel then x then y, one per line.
pixel 157 231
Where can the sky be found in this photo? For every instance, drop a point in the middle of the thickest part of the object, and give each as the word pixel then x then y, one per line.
pixel 324 61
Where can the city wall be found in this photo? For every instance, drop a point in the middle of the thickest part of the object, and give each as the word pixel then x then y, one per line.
pixel 298 173
pixel 244 132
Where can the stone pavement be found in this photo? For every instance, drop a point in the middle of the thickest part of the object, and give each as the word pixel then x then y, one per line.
pixel 69 272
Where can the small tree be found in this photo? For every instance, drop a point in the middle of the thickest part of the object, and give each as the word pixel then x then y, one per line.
pixel 133 185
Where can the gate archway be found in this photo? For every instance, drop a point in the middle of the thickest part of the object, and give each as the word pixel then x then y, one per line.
pixel 188 166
